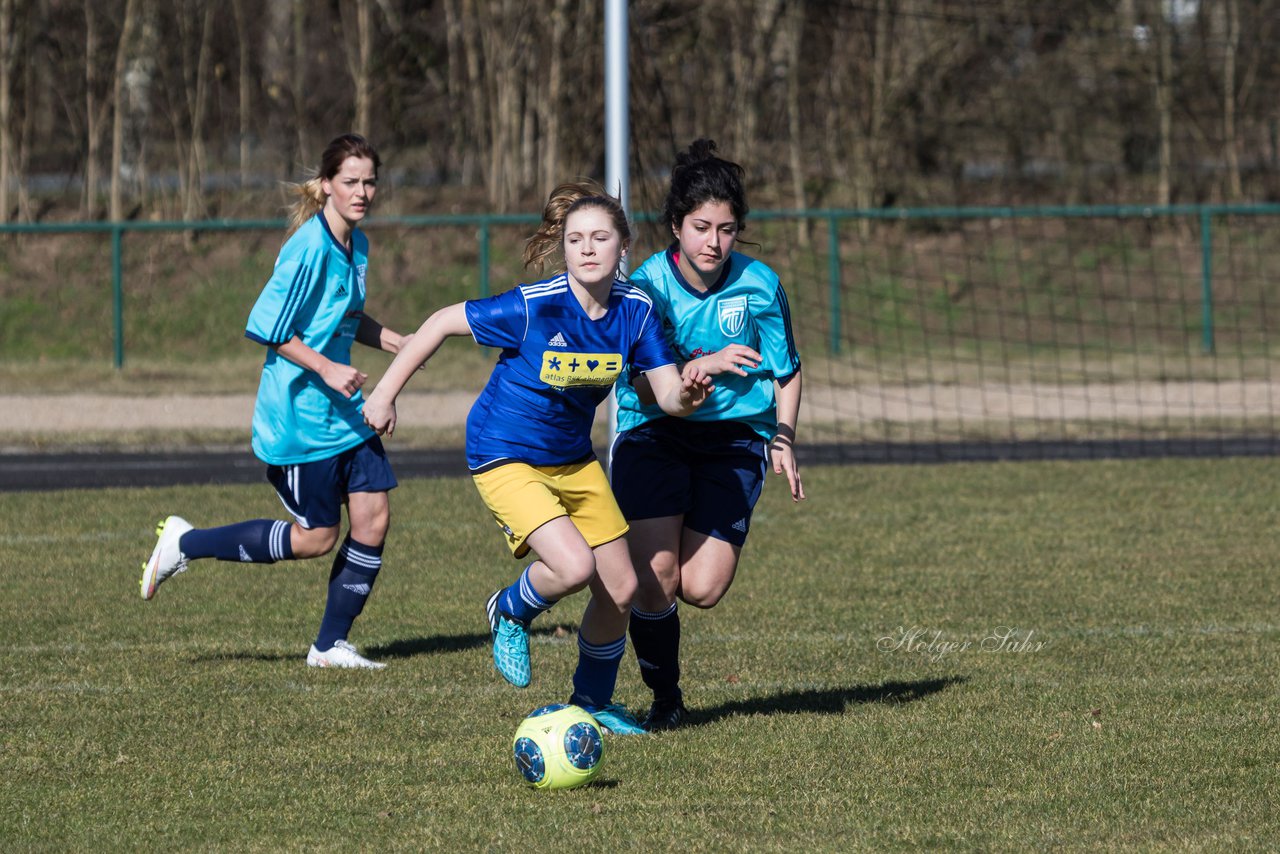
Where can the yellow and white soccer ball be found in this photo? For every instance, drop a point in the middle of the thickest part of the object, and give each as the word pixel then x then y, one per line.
pixel 558 747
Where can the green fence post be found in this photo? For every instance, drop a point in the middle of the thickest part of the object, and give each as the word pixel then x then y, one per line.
pixel 1206 281
pixel 117 290
pixel 833 282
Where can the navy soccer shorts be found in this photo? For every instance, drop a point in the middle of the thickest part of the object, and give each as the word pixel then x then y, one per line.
pixel 711 472
pixel 314 492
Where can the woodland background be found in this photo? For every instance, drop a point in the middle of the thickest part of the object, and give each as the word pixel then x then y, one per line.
pixel 170 110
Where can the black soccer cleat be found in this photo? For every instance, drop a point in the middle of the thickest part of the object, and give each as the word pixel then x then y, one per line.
pixel 665 715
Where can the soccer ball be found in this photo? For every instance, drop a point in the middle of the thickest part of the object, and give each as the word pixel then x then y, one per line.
pixel 558 747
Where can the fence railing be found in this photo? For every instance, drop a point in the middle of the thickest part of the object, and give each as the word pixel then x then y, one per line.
pixel 1204 215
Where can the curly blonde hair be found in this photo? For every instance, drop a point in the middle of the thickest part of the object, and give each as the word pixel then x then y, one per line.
pixel 564 200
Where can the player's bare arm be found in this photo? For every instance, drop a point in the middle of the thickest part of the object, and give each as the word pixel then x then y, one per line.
pixel 344 379
pixel 679 392
pixel 782 452
pixel 380 405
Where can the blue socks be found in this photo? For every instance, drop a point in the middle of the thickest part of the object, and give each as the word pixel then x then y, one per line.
pixel 597 673
pixel 656 640
pixel 520 601
pixel 256 541
pixel 354 570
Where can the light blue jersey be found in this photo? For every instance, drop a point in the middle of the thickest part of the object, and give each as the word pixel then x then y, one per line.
pixel 556 366
pixel 747 305
pixel 316 292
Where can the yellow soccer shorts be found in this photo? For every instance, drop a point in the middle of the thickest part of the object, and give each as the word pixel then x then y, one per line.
pixel 522 498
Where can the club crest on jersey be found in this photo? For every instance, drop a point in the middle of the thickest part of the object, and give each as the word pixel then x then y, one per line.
pixel 566 370
pixel 733 315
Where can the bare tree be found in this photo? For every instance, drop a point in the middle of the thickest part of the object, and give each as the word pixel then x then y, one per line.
pixel 6 107
pixel 244 43
pixel 127 27
pixel 1230 137
pixel 95 108
pixel 792 34
pixel 550 105
pixel 358 45
pixel 752 34
pixel 1163 84
pixel 298 77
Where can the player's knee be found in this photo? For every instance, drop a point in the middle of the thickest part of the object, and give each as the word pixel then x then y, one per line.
pixel 623 593
pixel 702 595
pixel 313 542
pixel 576 571
pixel 372 532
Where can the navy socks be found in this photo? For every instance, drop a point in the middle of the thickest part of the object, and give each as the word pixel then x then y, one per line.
pixel 656 639
pixel 255 541
pixel 354 570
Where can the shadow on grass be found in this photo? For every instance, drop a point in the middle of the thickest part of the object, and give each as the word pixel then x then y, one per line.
pixel 411 647
pixel 407 648
pixel 831 701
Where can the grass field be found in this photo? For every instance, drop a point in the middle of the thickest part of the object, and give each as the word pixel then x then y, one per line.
pixel 1040 655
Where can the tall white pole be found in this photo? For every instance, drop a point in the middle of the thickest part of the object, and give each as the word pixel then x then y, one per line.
pixel 616 131
pixel 616 105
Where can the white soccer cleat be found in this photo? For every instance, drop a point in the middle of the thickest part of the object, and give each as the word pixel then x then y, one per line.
pixel 343 654
pixel 166 558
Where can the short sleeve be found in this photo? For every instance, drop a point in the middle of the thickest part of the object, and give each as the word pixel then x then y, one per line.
pixel 651 349
pixel 778 350
pixel 499 321
pixel 273 319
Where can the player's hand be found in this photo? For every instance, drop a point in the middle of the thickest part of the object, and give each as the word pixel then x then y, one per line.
pixel 695 386
pixel 343 379
pixel 731 360
pixel 380 415
pixel 783 456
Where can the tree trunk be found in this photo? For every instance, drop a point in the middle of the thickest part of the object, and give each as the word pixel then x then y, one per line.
pixel 1230 139
pixel 276 40
pixel 793 37
pixel 93 111
pixel 6 81
pixel 127 26
pixel 1164 103
pixel 242 36
pixel 197 94
pixel 299 78
pixel 358 47
pixel 549 107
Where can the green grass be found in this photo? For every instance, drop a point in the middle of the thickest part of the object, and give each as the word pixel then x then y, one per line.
pixel 824 718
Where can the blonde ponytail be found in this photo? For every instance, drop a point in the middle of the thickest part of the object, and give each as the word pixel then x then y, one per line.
pixel 310 201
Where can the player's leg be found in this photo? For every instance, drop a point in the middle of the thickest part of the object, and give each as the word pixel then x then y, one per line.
pixel 525 504
pixel 256 540
pixel 602 639
pixel 655 618
pixel 707 568
pixel 365 476
pixel 602 636
pixel 354 571
pixel 652 479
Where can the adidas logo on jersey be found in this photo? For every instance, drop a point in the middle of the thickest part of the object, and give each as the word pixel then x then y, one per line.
pixel 557 340
pixel 740 525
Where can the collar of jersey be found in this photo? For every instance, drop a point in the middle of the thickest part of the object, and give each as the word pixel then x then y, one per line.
pixel 324 223
pixel 684 283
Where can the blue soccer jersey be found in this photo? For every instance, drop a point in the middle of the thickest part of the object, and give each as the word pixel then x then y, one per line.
pixel 556 365
pixel 316 292
pixel 747 305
